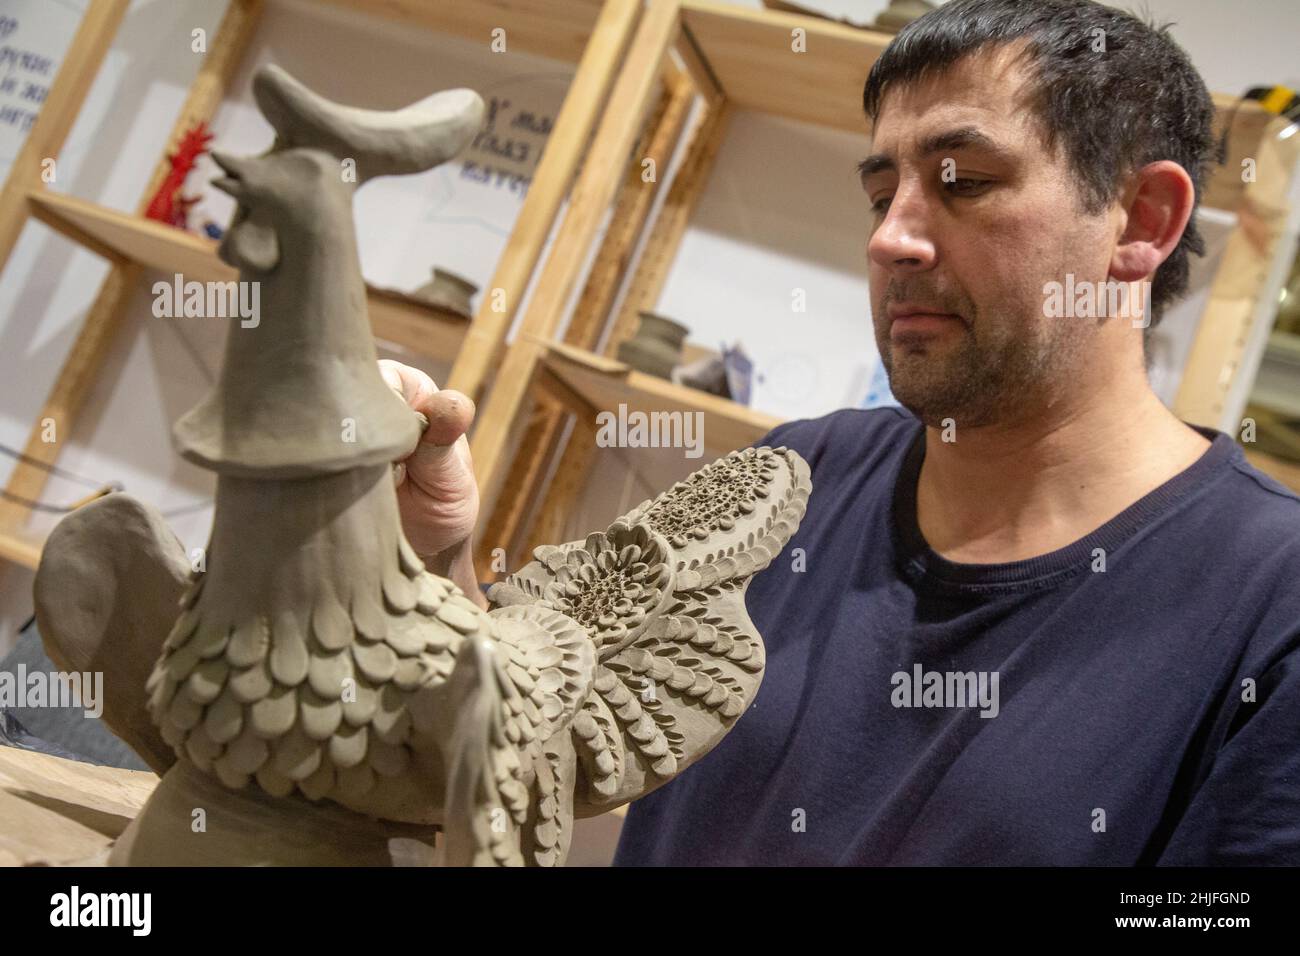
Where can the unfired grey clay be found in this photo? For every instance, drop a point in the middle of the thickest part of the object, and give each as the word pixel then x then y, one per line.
pixel 110 578
pixel 322 692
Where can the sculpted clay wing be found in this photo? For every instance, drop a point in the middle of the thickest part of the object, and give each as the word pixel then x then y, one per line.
pixel 662 594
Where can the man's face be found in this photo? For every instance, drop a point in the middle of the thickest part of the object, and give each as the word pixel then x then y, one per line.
pixel 971 216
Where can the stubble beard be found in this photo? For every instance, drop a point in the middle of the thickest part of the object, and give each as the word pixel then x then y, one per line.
pixel 974 380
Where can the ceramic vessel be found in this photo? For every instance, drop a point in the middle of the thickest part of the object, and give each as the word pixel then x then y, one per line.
pixel 656 348
pixel 449 291
pixel 900 13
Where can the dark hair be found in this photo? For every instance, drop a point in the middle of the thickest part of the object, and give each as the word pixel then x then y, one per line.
pixel 1137 101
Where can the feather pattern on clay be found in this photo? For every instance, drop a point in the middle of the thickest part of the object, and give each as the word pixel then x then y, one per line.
pixel 608 666
pixel 661 593
pixel 313 698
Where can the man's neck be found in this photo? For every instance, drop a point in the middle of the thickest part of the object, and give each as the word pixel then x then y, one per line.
pixel 1006 493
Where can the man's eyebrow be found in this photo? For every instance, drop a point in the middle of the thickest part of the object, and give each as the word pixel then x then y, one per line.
pixel 948 141
pixel 875 163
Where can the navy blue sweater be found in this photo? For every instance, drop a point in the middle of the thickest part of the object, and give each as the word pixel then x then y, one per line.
pixel 1147 713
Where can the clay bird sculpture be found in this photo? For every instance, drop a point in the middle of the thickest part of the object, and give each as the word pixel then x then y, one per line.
pixel 314 690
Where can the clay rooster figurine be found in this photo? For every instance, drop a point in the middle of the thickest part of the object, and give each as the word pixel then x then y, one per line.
pixel 315 692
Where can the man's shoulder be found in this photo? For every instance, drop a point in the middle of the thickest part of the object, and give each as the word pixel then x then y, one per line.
pixel 1274 493
pixel 1237 543
pixel 1266 510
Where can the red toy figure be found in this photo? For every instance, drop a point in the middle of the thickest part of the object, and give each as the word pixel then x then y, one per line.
pixel 168 205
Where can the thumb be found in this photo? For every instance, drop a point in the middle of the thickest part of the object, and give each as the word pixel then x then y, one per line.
pixel 450 413
pixel 441 462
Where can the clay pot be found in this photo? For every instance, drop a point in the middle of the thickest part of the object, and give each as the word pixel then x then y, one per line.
pixel 900 13
pixel 449 291
pixel 656 348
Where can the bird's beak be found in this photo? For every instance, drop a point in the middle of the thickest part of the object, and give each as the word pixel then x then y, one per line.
pixel 231 182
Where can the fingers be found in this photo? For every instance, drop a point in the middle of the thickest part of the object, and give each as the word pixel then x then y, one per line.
pixel 441 459
pixel 450 414
pixel 412 384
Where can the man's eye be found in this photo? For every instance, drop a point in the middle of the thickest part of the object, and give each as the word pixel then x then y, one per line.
pixel 881 205
pixel 968 187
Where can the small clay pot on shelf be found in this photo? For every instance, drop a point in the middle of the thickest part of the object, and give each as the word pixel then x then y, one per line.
pixel 448 291
pixel 656 348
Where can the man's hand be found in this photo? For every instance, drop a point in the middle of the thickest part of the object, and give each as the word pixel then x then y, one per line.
pixel 436 492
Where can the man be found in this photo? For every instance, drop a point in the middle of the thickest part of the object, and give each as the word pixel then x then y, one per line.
pixel 1041 621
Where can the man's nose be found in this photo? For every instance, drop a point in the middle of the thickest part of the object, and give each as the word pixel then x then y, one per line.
pixel 902 242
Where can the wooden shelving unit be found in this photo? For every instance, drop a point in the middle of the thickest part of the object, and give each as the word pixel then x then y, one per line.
pixel 1242 302
pixel 731 58
pixel 588 383
pixel 739 58
pixel 594 34
pixel 395 317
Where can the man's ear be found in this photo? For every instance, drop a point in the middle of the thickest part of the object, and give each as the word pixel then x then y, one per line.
pixel 1159 203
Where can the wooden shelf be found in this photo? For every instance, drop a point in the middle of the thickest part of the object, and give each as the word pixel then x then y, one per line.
pixel 394 316
pixel 558 29
pixel 750 55
pixel 602 384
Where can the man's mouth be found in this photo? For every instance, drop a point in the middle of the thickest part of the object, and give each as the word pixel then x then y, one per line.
pixel 907 321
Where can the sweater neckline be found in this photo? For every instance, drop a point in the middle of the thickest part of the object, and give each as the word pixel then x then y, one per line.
pixel 922 564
